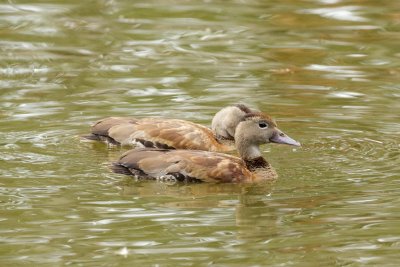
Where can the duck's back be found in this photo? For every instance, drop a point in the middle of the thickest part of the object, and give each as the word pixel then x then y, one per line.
pixel 183 165
pixel 157 133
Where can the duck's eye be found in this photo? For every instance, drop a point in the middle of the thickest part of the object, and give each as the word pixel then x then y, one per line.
pixel 263 125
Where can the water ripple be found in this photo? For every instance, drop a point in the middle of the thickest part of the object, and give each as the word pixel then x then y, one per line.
pixel 326 69
pixel 350 13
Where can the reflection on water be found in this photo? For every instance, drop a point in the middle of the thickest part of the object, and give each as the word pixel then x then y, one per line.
pixel 327 70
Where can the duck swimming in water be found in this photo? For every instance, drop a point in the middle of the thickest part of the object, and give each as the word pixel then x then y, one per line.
pixel 172 133
pixel 203 166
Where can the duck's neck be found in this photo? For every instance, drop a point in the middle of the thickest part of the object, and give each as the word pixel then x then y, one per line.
pixel 252 156
pixel 257 163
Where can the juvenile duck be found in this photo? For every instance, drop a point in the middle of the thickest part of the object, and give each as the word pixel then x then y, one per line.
pixel 202 166
pixel 172 133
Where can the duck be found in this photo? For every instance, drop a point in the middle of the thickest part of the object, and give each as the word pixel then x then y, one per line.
pixel 180 165
pixel 172 133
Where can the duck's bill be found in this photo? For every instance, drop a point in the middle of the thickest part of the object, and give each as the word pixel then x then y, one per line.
pixel 281 138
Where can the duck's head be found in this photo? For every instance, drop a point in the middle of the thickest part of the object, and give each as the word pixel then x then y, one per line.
pixel 256 129
pixel 225 121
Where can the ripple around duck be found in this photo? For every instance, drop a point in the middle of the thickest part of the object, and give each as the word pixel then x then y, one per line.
pixel 359 156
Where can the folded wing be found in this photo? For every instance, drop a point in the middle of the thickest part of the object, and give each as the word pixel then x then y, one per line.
pixel 183 165
pixel 157 133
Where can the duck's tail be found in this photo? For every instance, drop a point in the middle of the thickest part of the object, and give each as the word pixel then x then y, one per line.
pixel 92 137
pixel 118 168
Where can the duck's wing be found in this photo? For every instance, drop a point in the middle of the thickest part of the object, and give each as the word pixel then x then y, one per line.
pixel 183 165
pixel 166 133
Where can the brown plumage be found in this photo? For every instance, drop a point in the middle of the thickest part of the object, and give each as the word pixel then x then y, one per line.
pixel 204 166
pixel 172 133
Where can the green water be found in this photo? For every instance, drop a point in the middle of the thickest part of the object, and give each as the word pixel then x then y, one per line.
pixel 327 70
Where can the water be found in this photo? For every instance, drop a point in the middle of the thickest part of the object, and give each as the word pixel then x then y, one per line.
pixel 327 70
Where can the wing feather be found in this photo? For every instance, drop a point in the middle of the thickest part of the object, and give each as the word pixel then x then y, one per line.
pixel 102 127
pixel 161 133
pixel 199 165
pixel 157 133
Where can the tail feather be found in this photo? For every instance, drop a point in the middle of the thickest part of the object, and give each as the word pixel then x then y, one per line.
pixel 117 168
pixel 103 138
pixel 91 136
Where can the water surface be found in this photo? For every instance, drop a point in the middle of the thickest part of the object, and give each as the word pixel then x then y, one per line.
pixel 327 70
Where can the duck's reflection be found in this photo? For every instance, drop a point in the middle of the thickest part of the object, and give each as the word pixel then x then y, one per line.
pixel 252 212
pixel 193 192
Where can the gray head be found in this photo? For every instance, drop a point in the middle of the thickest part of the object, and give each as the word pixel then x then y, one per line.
pixel 225 121
pixel 256 129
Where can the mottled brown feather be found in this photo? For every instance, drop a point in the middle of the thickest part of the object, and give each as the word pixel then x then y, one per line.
pixel 201 165
pixel 169 133
pixel 102 127
pixel 172 133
